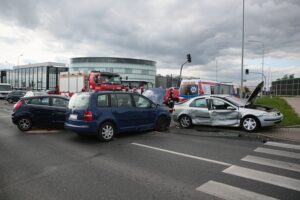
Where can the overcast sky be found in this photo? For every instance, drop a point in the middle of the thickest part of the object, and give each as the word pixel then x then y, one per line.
pixel 160 30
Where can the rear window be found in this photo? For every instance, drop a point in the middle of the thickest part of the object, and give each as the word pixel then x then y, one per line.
pixel 79 101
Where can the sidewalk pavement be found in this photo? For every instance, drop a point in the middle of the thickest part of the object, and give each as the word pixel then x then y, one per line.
pixel 291 134
pixel 295 103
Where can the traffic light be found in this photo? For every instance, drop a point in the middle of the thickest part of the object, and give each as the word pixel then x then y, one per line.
pixel 246 71
pixel 189 58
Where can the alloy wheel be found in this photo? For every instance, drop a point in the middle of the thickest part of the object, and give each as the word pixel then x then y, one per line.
pixel 249 124
pixel 107 132
pixel 185 121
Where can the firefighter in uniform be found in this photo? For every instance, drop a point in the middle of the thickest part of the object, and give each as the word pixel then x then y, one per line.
pixel 171 101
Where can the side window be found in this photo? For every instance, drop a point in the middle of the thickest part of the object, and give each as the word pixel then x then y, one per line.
pixel 113 100
pixel 39 101
pixel 102 100
pixel 217 104
pixel 141 102
pixel 199 103
pixel 124 100
pixel 59 102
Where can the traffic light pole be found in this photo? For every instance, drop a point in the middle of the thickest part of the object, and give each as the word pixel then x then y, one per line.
pixel 181 69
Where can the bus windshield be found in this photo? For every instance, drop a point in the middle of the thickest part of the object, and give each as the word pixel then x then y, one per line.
pixel 5 87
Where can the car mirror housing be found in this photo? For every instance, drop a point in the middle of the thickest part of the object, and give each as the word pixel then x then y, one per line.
pixel 230 108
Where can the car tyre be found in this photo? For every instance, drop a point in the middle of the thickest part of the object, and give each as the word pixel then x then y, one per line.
pixel 185 121
pixel 24 124
pixel 10 100
pixel 250 124
pixel 106 132
pixel 162 124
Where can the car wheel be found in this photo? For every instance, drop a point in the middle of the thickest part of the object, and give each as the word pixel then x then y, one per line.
pixel 250 124
pixel 162 124
pixel 24 124
pixel 10 100
pixel 106 132
pixel 185 121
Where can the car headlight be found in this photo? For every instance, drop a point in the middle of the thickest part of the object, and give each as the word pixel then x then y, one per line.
pixel 271 114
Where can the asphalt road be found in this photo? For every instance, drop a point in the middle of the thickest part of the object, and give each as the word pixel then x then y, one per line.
pixel 178 164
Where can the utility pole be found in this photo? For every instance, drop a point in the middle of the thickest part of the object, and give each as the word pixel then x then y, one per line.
pixel 216 70
pixel 242 65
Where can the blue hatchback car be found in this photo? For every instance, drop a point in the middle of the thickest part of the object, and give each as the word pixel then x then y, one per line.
pixel 106 113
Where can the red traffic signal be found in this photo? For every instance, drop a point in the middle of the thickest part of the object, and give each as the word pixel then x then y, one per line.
pixel 189 58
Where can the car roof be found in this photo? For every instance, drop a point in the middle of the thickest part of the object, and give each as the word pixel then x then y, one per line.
pixel 39 96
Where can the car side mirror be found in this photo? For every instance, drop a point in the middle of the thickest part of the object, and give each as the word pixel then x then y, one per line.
pixel 230 108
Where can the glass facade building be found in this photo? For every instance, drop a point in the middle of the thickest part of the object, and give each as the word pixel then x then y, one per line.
pixel 133 69
pixel 39 76
pixel 286 87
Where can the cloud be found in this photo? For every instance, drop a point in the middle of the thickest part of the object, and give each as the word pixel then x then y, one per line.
pixel 164 31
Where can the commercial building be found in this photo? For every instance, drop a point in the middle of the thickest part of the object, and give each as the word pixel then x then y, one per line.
pixel 39 76
pixel 128 68
pixel 167 81
pixel 286 87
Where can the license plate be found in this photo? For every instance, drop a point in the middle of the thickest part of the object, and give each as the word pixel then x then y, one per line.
pixel 73 116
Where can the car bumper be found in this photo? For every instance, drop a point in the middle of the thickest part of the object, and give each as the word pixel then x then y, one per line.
pixel 88 128
pixel 175 117
pixel 270 121
pixel 14 119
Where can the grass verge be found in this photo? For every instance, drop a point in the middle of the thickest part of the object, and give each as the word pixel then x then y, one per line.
pixel 290 117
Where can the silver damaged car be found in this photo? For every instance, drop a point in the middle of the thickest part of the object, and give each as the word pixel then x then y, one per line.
pixel 226 110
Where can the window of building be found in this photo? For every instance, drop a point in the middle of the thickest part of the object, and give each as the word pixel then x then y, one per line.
pixel 128 71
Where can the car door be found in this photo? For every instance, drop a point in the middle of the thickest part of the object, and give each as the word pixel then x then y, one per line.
pixel 18 95
pixel 124 112
pixel 40 109
pixel 59 110
pixel 199 113
pixel 222 113
pixel 145 111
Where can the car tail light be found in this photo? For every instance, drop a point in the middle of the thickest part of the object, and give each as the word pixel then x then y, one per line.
pixel 88 116
pixel 18 105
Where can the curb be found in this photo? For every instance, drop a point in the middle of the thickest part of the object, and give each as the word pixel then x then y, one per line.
pixel 277 138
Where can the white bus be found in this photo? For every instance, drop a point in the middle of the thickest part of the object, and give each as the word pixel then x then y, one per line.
pixel 5 88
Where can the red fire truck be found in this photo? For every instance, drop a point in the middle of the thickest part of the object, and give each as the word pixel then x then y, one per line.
pixel 77 81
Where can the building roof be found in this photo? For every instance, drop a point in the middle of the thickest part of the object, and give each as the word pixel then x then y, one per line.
pixel 111 60
pixel 53 64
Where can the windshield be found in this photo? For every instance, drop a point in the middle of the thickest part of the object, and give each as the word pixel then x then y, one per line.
pixel 5 88
pixel 236 101
pixel 110 79
pixel 156 95
pixel 79 101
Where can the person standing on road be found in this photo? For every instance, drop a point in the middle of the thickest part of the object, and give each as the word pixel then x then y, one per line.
pixel 171 101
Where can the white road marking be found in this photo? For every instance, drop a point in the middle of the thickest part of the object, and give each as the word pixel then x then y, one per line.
pixel 278 152
pixel 264 177
pixel 229 192
pixel 283 145
pixel 5 116
pixel 183 154
pixel 273 163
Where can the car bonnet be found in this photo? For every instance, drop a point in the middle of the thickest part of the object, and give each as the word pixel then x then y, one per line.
pixel 254 94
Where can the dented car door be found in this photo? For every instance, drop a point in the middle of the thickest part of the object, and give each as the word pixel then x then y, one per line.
pixel 222 113
pixel 199 112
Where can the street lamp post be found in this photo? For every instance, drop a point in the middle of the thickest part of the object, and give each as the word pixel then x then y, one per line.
pixel 242 63
pixel 216 70
pixel 19 58
pixel 263 55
